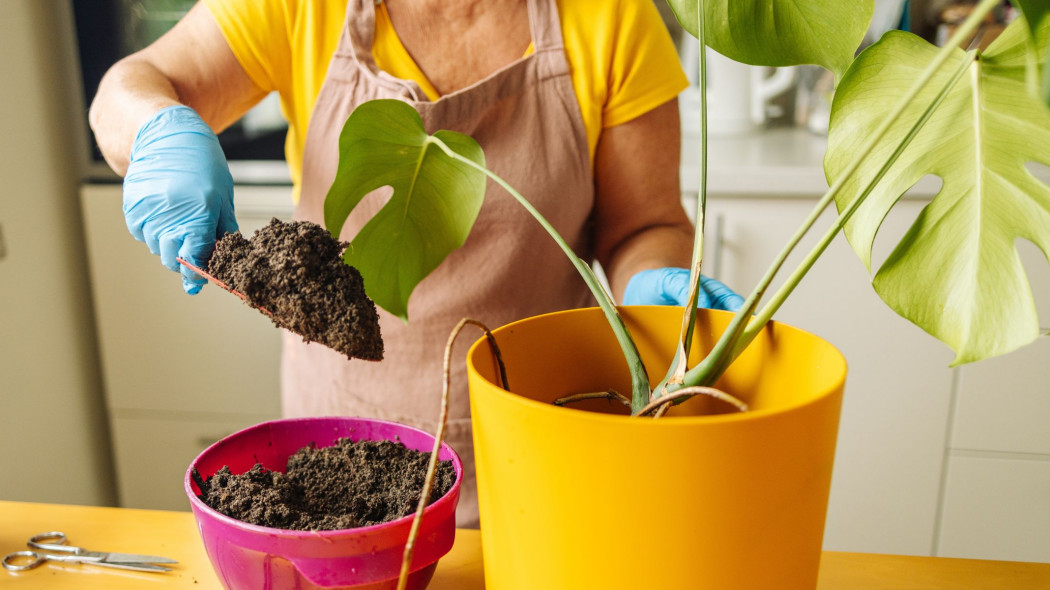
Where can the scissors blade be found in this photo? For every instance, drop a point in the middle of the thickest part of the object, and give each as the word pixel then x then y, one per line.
pixel 137 567
pixel 135 559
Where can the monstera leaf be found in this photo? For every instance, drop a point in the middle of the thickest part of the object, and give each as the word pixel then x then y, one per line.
pixel 1036 13
pixel 434 204
pixel 781 32
pixel 956 273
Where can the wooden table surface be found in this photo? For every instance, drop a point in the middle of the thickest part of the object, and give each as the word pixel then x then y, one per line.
pixel 174 534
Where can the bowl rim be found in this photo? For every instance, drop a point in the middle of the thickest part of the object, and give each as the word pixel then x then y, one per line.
pixel 198 505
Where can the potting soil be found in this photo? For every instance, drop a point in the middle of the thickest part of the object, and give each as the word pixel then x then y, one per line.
pixel 295 271
pixel 347 485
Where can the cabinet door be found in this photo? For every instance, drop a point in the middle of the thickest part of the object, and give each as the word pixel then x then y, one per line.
pixel 153 453
pixel 163 350
pixel 884 494
pixel 997 508
pixel 1003 404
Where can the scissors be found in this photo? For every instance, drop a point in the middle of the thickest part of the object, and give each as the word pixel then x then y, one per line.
pixel 52 546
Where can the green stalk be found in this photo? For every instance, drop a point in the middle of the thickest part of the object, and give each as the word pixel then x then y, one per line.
pixel 740 333
pixel 701 195
pixel 676 372
pixel 639 378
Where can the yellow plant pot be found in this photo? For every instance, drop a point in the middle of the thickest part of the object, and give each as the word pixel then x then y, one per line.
pixel 574 499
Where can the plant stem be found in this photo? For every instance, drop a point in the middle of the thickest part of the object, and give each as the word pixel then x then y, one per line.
pixel 639 378
pixel 428 481
pixel 701 194
pixel 739 333
pixel 676 372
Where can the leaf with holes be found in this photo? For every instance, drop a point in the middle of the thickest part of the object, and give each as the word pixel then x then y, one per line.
pixel 956 273
pixel 434 204
pixel 781 32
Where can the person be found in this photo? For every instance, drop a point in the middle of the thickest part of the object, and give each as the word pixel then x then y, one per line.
pixel 573 101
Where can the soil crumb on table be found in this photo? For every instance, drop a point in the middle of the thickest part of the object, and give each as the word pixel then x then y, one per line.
pixel 295 271
pixel 344 486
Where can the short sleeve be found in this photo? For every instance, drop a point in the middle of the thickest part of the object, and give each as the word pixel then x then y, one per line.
pixel 644 71
pixel 258 32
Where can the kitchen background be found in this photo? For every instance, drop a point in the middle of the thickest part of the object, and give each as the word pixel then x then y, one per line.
pixel 112 379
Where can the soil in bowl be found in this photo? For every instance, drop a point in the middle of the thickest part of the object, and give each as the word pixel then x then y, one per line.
pixel 295 271
pixel 347 485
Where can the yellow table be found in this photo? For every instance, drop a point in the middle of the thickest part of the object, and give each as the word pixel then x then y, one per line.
pixel 174 534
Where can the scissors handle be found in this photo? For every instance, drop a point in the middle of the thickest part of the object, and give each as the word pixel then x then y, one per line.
pixel 11 561
pixel 52 541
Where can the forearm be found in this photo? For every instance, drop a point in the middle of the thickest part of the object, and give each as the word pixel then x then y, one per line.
pixel 191 65
pixel 639 220
pixel 128 96
pixel 653 247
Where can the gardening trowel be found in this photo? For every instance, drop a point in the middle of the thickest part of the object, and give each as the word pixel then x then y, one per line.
pixel 223 285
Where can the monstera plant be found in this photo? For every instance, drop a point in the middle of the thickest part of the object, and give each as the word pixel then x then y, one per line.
pixel 902 109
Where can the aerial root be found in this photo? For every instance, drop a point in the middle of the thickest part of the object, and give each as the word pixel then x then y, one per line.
pixel 579 397
pixel 661 404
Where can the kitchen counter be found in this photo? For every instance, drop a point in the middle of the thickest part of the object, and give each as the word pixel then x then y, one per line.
pixel 777 162
pixel 174 534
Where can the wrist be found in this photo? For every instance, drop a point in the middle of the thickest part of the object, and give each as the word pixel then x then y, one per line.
pixel 167 122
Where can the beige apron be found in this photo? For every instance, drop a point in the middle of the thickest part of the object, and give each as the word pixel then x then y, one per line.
pixel 527 119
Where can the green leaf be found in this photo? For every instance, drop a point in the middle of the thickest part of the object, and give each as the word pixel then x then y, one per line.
pixel 434 204
pixel 781 32
pixel 956 273
pixel 1044 86
pixel 1036 13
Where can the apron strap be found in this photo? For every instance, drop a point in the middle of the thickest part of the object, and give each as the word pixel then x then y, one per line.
pixel 359 32
pixel 357 40
pixel 545 24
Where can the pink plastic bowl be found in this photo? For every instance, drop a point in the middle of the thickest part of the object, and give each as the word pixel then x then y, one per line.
pixel 247 556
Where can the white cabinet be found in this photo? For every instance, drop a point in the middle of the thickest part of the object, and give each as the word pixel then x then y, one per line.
pixel 179 371
pixel 930 460
pixel 886 482
pixel 997 508
pixel 997 489
pixel 1003 403
pixel 154 450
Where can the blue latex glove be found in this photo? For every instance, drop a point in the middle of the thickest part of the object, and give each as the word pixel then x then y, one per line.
pixel 178 192
pixel 670 286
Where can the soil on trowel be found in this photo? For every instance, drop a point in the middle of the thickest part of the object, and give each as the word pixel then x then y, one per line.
pixel 295 271
pixel 344 486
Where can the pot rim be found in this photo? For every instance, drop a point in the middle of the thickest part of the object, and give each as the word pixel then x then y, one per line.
pixel 667 421
pixel 405 521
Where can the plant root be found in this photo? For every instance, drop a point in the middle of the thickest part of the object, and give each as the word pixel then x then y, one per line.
pixel 659 413
pixel 579 397
pixel 428 483
pixel 661 404
pixel 202 485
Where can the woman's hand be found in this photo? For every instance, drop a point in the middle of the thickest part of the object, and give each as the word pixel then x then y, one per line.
pixel 178 192
pixel 670 286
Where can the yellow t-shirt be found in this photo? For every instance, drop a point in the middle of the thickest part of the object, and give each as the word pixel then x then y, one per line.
pixel 622 59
